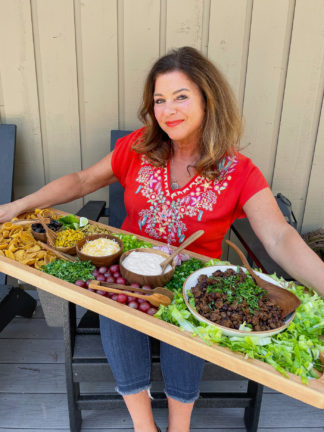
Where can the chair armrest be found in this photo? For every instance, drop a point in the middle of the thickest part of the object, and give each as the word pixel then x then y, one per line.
pixel 93 210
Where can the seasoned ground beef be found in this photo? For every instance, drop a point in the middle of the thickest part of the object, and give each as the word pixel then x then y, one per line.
pixel 230 299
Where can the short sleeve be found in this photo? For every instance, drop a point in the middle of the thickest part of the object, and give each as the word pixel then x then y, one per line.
pixel 254 182
pixel 123 155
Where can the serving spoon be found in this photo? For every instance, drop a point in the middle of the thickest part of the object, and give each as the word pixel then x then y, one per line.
pixel 29 221
pixel 183 245
pixel 156 299
pixel 159 290
pixel 286 300
pixel 61 255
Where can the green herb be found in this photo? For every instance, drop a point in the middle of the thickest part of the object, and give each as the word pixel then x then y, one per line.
pixel 295 350
pixel 182 272
pixel 211 305
pixel 236 291
pixel 131 242
pixel 70 271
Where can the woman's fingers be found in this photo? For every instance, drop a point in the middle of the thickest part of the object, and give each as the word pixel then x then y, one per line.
pixel 7 212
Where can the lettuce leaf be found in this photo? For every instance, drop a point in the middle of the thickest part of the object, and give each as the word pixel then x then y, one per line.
pixel 295 350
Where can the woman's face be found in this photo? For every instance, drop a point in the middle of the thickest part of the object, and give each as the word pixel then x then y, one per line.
pixel 179 107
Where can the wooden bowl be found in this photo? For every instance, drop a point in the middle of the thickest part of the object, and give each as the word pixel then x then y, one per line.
pixel 99 261
pixel 39 236
pixel 71 250
pixel 192 280
pixel 42 236
pixel 153 281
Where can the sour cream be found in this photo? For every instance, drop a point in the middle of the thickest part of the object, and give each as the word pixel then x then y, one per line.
pixel 145 263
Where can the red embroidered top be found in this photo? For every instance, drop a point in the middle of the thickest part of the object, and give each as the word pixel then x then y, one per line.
pixel 155 211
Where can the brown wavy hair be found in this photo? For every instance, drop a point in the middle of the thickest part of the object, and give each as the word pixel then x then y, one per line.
pixel 222 126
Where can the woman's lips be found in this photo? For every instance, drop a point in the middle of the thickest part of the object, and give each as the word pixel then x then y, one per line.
pixel 173 123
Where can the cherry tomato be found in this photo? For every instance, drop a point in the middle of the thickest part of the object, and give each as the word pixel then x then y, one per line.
pixel 144 307
pixel 122 298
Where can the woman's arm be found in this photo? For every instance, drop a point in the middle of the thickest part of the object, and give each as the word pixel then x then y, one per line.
pixel 63 189
pixel 282 241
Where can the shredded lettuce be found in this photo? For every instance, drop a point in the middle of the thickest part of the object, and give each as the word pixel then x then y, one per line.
pixel 295 350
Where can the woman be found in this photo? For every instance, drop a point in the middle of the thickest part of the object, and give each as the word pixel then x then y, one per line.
pixel 180 172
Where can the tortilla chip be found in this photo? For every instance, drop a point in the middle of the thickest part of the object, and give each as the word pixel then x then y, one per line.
pixel 35 248
pixel 28 261
pixel 18 243
pixel 20 255
pixel 5 234
pixel 9 254
pixel 26 237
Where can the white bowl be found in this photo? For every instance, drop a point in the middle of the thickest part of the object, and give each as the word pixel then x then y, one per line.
pixel 192 280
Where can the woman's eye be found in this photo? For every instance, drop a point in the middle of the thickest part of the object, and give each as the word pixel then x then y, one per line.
pixel 182 97
pixel 158 101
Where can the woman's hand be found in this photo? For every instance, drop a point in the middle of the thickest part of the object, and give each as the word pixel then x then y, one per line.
pixel 9 211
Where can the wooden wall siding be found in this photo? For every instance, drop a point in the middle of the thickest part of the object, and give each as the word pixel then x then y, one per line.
pixel 301 107
pixel 71 70
pixel 96 53
pixel 18 93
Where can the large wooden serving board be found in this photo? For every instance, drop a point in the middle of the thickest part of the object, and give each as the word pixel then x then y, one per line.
pixel 312 394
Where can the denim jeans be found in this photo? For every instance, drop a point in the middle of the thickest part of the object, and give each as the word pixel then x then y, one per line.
pixel 129 355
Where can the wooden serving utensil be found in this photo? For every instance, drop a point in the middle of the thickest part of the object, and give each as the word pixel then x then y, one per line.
pixel 61 255
pixel 159 290
pixel 155 299
pixel 29 221
pixel 287 301
pixel 183 245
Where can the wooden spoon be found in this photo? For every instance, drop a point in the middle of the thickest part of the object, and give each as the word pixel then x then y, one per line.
pixel 287 301
pixel 29 221
pixel 183 245
pixel 159 290
pixel 61 255
pixel 155 299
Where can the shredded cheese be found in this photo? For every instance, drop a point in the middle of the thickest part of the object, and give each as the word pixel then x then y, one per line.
pixel 100 247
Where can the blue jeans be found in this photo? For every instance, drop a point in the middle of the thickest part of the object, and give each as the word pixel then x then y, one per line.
pixel 129 355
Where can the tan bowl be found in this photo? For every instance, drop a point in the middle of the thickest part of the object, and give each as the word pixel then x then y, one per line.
pixel 153 281
pixel 192 280
pixel 39 236
pixel 68 250
pixel 42 236
pixel 99 261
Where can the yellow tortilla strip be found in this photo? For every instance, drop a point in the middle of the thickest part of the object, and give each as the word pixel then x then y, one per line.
pixel 9 254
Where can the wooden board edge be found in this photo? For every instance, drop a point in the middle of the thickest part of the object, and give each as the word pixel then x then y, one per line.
pixel 312 394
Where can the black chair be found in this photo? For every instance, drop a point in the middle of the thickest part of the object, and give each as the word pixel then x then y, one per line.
pixel 13 300
pixel 256 252
pixel 85 360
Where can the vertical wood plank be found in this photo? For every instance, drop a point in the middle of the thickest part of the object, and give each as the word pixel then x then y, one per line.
pixel 96 40
pixel 302 103
pixel 140 49
pixel 229 34
pixel 229 31
pixel 57 84
pixel 18 94
pixel 184 23
pixel 266 72
pixel 314 210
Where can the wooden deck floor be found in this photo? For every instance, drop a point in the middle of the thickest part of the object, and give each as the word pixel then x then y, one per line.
pixel 33 397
